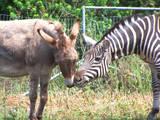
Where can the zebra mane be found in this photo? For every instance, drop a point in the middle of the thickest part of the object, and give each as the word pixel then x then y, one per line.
pixel 122 22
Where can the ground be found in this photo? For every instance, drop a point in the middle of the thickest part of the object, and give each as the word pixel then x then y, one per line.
pixel 68 105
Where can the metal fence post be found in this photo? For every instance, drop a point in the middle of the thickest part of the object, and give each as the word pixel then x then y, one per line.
pixel 83 20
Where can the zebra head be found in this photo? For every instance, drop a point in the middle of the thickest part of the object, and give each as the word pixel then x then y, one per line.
pixel 96 61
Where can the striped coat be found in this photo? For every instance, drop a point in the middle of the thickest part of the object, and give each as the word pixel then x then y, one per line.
pixel 134 35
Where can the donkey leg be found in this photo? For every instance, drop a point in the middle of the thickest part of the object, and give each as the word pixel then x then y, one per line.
pixel 156 94
pixel 43 94
pixel 33 95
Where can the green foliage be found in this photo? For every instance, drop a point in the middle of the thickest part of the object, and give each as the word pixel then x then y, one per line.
pixel 127 76
pixel 139 3
pixel 27 9
pixel 40 8
pixel 68 8
pixel 63 8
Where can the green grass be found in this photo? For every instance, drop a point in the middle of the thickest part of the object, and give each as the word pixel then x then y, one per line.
pixel 125 96
pixel 83 105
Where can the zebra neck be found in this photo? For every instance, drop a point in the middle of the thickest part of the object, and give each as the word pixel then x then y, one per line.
pixel 122 46
pixel 119 50
pixel 124 39
pixel 135 36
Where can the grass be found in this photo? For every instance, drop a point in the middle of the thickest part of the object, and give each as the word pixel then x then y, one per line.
pixel 125 96
pixel 83 105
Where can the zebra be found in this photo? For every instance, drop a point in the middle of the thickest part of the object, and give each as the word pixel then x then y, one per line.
pixel 136 34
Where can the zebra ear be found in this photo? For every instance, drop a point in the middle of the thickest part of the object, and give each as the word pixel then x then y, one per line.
pixel 88 41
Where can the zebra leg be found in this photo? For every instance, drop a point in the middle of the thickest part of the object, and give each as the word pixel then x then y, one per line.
pixel 156 93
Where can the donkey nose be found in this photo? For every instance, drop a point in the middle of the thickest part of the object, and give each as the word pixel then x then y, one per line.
pixel 69 83
pixel 69 86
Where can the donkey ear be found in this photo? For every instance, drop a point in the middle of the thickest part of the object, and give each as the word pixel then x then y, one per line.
pixel 48 36
pixel 75 31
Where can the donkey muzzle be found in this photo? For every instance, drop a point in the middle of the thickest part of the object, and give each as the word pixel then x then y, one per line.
pixel 69 82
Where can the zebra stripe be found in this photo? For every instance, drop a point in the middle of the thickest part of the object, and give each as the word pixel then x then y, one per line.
pixel 136 34
pixel 141 32
pixel 121 41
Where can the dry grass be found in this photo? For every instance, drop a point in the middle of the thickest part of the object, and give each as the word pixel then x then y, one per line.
pixel 126 96
pixel 89 105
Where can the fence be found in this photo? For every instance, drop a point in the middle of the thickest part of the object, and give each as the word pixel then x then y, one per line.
pixel 6 83
pixel 93 25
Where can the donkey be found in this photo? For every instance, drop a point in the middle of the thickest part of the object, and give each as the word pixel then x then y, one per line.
pixel 34 47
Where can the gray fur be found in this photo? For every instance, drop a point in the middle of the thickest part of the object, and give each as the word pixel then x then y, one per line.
pixel 23 51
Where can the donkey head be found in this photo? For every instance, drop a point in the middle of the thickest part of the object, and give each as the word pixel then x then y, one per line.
pixel 96 61
pixel 66 55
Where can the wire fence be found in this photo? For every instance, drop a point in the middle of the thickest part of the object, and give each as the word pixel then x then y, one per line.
pixel 20 85
pixel 8 84
pixel 95 26
pixel 16 85
pixel 98 19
